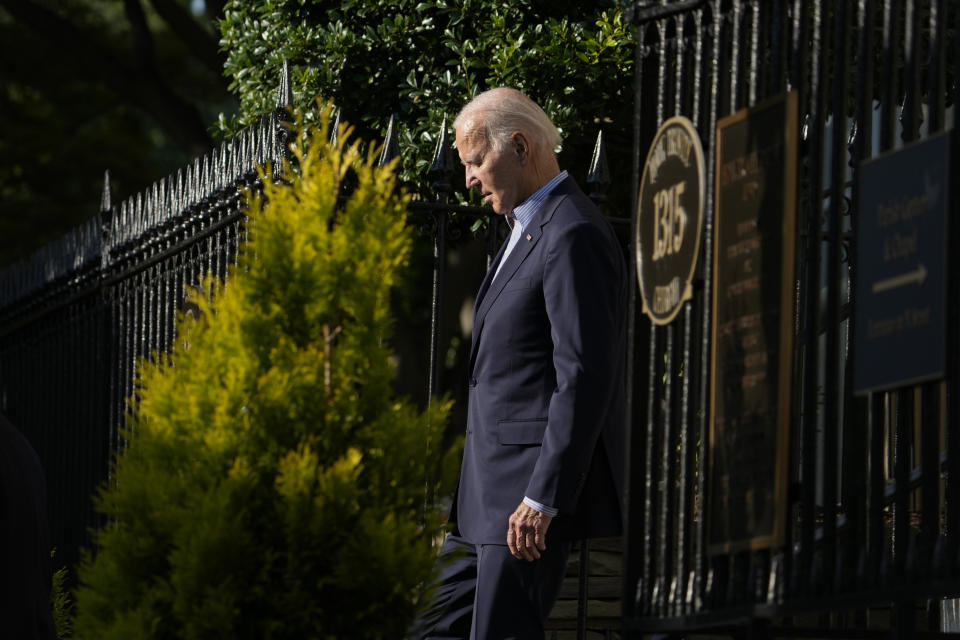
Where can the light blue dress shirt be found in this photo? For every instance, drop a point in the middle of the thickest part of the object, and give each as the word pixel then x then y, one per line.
pixel 521 216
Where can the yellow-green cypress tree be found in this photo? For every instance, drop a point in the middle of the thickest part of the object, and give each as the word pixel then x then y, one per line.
pixel 274 484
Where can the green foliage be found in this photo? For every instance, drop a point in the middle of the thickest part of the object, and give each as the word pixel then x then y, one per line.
pixel 60 603
pixel 274 484
pixel 423 59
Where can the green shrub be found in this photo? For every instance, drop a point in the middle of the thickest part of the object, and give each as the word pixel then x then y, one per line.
pixel 274 484
pixel 423 59
pixel 60 603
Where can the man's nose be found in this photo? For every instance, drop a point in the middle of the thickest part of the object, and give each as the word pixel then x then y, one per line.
pixel 470 179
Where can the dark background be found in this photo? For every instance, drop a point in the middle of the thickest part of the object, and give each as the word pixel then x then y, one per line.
pixel 132 86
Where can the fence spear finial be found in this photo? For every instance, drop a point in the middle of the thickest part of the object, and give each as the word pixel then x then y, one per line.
pixel 153 205
pixel 391 149
pixel 284 93
pixel 163 200
pixel 282 116
pixel 334 126
pixel 219 167
pixel 178 193
pixel 232 166
pixel 189 190
pixel 598 176
pixel 206 179
pixel 259 144
pixel 121 226
pixel 442 167
pixel 249 151
pixel 106 220
pixel 105 196
pixel 138 217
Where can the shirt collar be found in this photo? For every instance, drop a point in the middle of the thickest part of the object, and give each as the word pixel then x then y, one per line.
pixel 523 213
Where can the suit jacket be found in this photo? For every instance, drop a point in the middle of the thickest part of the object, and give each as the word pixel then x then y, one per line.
pixel 546 397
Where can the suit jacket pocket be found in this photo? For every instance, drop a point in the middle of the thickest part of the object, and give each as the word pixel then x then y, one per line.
pixel 521 431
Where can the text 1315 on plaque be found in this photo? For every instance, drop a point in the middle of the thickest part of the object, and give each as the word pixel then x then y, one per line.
pixel 669 219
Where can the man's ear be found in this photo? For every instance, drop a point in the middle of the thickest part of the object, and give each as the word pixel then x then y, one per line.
pixel 521 145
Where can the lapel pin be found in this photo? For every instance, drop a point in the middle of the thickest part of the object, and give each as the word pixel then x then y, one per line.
pixel 529 237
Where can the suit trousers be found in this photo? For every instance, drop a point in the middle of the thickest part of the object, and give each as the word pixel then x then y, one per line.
pixel 484 593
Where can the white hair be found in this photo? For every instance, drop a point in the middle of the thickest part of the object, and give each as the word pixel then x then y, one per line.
pixel 496 114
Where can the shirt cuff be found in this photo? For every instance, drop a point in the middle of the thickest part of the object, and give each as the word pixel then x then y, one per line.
pixel 542 508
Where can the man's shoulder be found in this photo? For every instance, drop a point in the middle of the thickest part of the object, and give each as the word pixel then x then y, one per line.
pixel 570 207
pixel 569 201
pixel 568 187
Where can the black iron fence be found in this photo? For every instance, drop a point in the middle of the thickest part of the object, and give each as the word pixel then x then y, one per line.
pixel 872 515
pixel 75 319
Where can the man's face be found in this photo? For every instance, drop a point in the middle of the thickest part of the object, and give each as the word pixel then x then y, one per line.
pixel 496 174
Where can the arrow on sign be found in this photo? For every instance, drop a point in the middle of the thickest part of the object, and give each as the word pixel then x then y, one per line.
pixel 917 276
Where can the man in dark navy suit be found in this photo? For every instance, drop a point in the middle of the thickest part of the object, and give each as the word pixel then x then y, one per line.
pixel 543 457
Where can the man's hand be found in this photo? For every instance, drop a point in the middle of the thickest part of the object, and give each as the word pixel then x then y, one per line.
pixel 527 532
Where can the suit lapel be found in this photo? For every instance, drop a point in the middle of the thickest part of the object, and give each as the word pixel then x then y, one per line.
pixel 485 285
pixel 526 243
pixel 492 287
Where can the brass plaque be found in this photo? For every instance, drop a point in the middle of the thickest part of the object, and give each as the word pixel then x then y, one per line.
pixel 669 219
pixel 752 325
